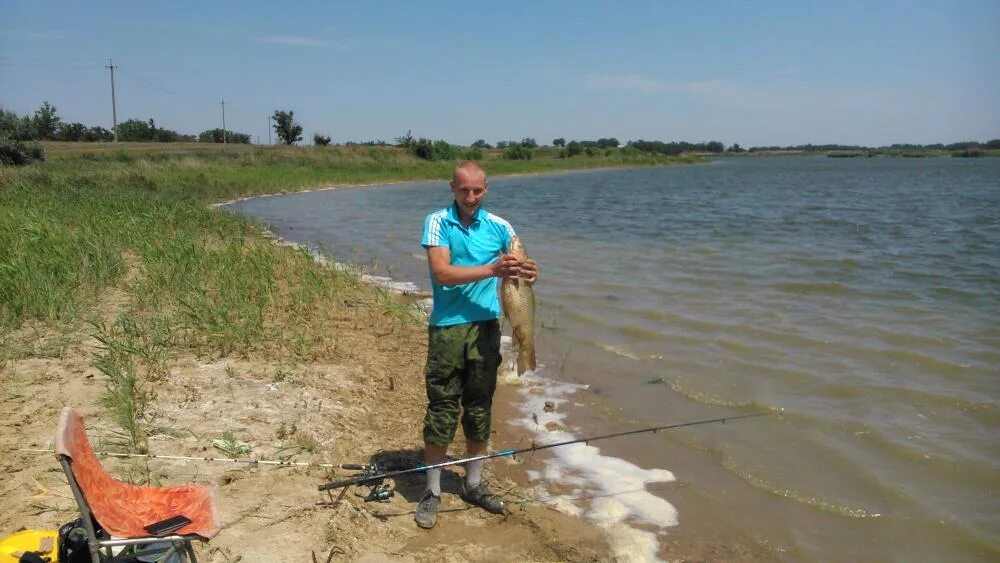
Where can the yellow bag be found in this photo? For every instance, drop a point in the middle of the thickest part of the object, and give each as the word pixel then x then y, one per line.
pixel 43 542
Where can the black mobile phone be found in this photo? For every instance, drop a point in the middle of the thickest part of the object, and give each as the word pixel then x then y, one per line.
pixel 164 527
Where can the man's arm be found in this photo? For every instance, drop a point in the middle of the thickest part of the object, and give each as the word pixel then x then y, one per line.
pixel 445 273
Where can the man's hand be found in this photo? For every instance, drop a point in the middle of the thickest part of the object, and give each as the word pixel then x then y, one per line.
pixel 529 271
pixel 506 267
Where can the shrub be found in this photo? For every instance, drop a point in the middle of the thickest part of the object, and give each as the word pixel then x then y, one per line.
pixel 517 152
pixel 968 153
pixel 437 150
pixel 17 153
pixel 320 140
pixel 444 151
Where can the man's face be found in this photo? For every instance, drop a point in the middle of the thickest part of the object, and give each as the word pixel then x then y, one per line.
pixel 469 190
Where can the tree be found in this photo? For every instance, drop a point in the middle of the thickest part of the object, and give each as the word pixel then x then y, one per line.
pixel 608 143
pixel 405 140
pixel 71 131
pixel 287 129
pixel 216 136
pixel 560 142
pixel 135 130
pixel 320 140
pixel 98 133
pixel 481 144
pixel 14 127
pixel 46 122
pixel 574 148
pixel 529 142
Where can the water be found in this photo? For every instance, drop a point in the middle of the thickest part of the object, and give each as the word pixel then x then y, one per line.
pixel 859 295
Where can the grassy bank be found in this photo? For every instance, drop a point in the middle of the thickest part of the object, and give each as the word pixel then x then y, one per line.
pixel 117 244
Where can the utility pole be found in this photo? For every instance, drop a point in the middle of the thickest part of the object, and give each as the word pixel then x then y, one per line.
pixel 114 106
pixel 269 117
pixel 223 122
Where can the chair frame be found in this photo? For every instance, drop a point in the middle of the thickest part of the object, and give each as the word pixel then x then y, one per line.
pixel 180 544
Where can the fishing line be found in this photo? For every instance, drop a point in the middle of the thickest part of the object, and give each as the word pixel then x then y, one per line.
pixel 372 476
pixel 248 461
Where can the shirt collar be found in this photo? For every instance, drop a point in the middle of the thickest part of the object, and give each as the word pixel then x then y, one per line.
pixel 455 217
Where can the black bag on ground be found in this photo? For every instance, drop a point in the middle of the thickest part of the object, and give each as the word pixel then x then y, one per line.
pixel 73 542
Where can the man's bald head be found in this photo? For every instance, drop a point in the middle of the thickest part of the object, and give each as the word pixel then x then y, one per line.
pixel 468 172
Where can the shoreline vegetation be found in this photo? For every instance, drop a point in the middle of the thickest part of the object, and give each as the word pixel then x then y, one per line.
pixel 179 328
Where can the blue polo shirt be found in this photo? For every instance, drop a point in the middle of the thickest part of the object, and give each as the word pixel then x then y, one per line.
pixel 481 243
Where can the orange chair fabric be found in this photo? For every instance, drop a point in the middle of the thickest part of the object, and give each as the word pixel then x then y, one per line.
pixel 123 509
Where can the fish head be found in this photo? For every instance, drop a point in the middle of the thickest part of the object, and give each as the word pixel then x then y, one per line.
pixel 517 248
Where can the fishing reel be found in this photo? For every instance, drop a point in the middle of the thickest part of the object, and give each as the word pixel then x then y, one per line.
pixel 378 489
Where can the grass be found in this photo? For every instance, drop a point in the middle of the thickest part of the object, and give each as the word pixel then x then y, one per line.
pixel 125 233
pixel 130 362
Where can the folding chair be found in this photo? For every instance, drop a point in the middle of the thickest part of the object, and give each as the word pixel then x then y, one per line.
pixel 123 511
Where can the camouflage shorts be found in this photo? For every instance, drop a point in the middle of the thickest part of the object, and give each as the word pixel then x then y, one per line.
pixel 462 362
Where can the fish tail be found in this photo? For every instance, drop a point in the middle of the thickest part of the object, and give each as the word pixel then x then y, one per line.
pixel 525 360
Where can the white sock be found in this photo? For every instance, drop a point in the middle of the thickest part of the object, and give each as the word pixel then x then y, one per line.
pixel 434 481
pixel 474 472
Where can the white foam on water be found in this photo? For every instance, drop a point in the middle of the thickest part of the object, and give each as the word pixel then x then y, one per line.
pixel 508 370
pixel 620 351
pixel 614 487
pixel 404 287
pixel 631 545
pixel 385 282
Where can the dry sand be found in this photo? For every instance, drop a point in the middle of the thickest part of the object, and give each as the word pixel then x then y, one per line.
pixel 367 409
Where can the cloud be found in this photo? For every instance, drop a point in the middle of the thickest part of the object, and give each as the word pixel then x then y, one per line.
pixel 784 97
pixel 292 40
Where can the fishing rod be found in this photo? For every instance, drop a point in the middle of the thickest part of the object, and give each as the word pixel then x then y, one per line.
pixel 372 474
pixel 248 461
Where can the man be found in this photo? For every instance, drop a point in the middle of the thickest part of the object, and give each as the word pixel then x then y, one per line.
pixel 466 250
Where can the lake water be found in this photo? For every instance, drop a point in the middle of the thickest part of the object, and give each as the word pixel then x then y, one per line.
pixel 861 296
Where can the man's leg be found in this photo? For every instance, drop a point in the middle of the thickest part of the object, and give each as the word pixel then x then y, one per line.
pixel 477 404
pixel 434 454
pixel 474 469
pixel 443 374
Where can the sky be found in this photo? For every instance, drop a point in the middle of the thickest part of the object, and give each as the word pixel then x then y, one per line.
pixel 755 73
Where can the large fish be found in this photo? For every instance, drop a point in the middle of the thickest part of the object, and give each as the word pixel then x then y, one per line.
pixel 519 306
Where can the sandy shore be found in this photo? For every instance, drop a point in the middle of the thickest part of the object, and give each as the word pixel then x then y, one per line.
pixel 365 410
